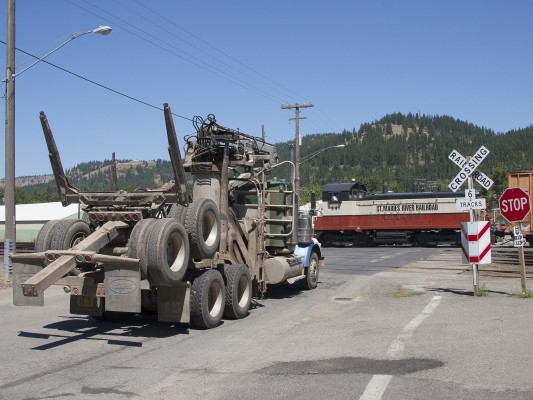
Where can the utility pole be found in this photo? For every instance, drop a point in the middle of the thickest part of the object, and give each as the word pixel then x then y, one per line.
pixel 297 118
pixel 113 185
pixel 9 181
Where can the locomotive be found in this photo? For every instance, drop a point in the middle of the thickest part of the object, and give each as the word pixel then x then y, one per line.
pixel 347 215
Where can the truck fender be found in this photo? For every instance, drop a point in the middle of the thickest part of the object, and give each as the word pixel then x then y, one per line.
pixel 305 250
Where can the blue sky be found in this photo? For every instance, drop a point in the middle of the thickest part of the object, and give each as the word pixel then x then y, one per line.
pixel 241 60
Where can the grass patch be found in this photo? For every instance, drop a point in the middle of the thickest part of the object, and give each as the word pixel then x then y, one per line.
pixel 527 295
pixel 402 293
pixel 482 291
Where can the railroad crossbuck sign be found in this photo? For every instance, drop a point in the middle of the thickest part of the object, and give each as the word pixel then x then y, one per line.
pixel 515 204
pixel 475 242
pixel 469 168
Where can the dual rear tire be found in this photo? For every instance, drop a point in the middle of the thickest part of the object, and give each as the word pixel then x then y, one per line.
pixel 62 235
pixel 238 291
pixel 162 246
pixel 213 297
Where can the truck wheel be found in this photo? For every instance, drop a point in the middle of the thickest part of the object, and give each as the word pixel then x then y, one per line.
pixel 311 273
pixel 138 243
pixel 178 212
pixel 207 299
pixel 202 222
pixel 68 233
pixel 168 252
pixel 238 291
pixel 44 237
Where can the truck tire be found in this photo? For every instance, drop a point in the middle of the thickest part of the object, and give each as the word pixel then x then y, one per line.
pixel 138 243
pixel 168 252
pixel 208 295
pixel 202 222
pixel 68 233
pixel 311 273
pixel 178 212
pixel 44 237
pixel 238 291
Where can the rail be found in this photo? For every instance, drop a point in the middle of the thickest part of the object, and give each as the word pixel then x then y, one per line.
pixel 500 255
pixel 509 255
pixel 21 248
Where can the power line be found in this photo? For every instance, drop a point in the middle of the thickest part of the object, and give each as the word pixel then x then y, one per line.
pixel 327 120
pixel 98 84
pixel 218 50
pixel 240 71
pixel 193 59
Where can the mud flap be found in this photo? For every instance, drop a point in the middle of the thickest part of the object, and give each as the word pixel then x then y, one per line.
pixel 83 300
pixel 123 288
pixel 21 273
pixel 87 305
pixel 173 303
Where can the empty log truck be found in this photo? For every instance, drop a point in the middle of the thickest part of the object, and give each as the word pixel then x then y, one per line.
pixel 192 252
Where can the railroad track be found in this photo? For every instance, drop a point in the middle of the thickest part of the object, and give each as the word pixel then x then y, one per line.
pixel 21 248
pixel 509 255
pixel 500 255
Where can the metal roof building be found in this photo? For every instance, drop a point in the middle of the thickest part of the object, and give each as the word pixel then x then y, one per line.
pixel 31 217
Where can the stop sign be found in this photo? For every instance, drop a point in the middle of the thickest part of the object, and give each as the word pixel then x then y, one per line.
pixel 514 204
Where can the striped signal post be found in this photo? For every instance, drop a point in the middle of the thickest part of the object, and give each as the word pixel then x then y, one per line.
pixel 469 172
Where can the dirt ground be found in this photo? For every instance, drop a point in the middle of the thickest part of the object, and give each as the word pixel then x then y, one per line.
pixel 6 289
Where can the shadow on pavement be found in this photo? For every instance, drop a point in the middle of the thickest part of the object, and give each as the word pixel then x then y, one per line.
pixel 130 333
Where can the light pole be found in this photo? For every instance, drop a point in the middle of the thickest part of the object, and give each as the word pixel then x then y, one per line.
pixel 9 181
pixel 101 30
pixel 316 153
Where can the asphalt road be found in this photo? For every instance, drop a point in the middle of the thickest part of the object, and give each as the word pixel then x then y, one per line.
pixel 384 323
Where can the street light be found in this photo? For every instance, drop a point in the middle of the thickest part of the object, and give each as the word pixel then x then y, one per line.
pixel 101 30
pixel 316 153
pixel 9 180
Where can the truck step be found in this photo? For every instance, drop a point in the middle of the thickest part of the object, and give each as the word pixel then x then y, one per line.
pixel 295 279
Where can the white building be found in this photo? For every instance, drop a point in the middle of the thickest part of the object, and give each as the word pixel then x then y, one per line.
pixel 31 217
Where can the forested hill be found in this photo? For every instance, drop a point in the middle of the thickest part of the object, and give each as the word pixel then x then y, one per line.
pixel 402 150
pixel 399 150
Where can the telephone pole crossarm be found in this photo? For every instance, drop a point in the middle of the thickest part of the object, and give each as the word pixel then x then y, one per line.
pixel 289 106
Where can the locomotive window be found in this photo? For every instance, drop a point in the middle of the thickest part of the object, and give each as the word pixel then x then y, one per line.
pixel 356 194
pixel 334 197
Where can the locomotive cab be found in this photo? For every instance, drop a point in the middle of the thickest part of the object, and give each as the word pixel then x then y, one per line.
pixel 338 192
